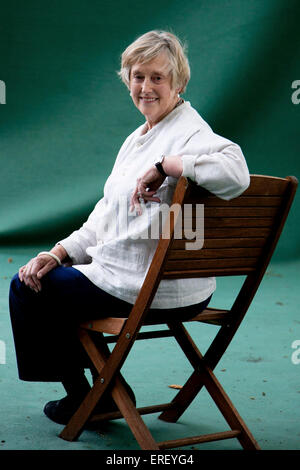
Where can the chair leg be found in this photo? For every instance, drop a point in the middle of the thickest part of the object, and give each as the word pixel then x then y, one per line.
pixel 119 394
pixel 190 390
pixel 204 375
pixel 182 400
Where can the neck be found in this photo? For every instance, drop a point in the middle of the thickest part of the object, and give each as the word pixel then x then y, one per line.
pixel 150 124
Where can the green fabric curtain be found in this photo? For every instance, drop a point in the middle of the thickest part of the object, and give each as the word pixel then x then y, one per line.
pixel 66 113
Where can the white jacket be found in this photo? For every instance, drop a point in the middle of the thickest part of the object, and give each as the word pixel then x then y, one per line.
pixel 114 248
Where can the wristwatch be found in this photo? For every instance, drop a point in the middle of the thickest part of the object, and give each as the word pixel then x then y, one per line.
pixel 160 167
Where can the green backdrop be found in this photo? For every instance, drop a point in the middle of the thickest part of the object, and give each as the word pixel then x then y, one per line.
pixel 67 113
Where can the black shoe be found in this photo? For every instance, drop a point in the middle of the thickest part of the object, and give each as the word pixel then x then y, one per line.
pixel 61 411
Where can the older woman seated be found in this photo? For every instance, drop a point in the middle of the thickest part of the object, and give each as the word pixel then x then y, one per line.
pixel 99 269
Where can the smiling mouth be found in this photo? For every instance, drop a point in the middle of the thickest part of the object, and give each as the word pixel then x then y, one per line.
pixel 148 100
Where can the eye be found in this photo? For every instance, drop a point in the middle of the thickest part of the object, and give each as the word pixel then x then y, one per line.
pixel 138 77
pixel 157 79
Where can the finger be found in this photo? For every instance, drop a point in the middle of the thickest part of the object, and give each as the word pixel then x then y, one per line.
pixel 30 277
pixel 137 208
pixel 45 269
pixel 21 273
pixel 28 281
pixel 152 199
pixel 36 283
pixel 148 195
pixel 147 192
pixel 33 283
pixel 134 201
pixel 35 268
pixel 143 188
pixel 25 276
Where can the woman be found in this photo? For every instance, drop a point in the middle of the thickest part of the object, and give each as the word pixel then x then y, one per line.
pixel 99 269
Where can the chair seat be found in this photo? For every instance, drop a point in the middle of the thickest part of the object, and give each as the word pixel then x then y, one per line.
pixel 114 325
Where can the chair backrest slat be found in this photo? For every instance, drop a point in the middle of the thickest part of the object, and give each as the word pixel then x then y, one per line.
pixel 215 253
pixel 246 201
pixel 218 232
pixel 235 242
pixel 199 264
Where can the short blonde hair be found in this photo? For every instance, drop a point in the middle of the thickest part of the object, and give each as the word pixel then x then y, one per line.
pixel 147 47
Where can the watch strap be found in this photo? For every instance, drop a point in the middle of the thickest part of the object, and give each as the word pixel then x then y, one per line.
pixel 160 167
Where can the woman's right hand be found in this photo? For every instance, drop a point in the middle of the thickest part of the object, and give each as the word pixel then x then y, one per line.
pixel 32 272
pixel 35 269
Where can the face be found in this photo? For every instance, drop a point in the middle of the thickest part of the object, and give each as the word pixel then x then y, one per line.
pixel 151 91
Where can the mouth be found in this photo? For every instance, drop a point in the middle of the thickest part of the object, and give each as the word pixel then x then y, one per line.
pixel 148 100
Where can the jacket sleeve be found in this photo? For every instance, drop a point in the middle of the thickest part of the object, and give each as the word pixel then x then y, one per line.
pixel 216 164
pixel 77 243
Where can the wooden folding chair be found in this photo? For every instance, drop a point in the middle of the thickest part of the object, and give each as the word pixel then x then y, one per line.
pixel 240 238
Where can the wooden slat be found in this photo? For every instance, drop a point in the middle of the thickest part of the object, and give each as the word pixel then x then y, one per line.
pixel 211 315
pixel 239 211
pixel 213 253
pixel 210 311
pixel 238 232
pixel 210 263
pixel 171 444
pixel 243 201
pixel 238 222
pixel 260 185
pixel 142 411
pixel 208 272
pixel 231 212
pixel 223 222
pixel 110 325
pixel 223 243
pixel 232 227
pixel 272 186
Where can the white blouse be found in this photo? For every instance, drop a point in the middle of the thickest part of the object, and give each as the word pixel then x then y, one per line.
pixel 114 247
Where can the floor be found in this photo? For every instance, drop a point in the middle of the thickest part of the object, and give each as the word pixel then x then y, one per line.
pixel 260 372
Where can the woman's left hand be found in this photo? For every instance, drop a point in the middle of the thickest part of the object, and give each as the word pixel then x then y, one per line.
pixel 146 188
pixel 149 183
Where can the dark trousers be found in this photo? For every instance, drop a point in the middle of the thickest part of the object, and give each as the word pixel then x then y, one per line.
pixel 45 324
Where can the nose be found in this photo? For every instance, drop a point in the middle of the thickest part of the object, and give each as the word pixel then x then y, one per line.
pixel 147 86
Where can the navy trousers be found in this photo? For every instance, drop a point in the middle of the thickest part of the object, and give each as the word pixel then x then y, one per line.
pixel 44 324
